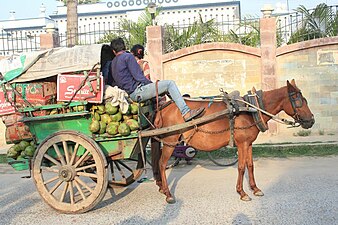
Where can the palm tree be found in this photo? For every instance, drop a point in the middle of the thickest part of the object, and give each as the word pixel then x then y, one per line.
pixel 320 22
pixel 132 32
pixel 72 19
pixel 72 23
pixel 197 33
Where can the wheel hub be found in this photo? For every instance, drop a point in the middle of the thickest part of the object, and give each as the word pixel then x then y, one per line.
pixel 67 173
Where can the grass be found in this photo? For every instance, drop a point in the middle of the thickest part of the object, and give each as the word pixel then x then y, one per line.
pixel 280 151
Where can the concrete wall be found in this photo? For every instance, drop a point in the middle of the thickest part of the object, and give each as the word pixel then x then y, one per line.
pixel 203 69
pixel 314 66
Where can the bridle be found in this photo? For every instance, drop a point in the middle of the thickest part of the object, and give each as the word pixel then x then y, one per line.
pixel 296 100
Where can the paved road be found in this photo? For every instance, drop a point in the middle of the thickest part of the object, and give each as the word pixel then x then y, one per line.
pixel 297 191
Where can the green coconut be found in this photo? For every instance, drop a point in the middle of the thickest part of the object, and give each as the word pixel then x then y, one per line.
pixel 23 145
pixel 133 124
pixel 134 108
pixel 97 116
pixel 127 117
pixel 103 127
pixel 106 118
pixel 78 108
pixel 110 109
pixel 29 151
pixel 116 117
pixel 94 126
pixel 100 109
pixel 12 153
pixel 112 128
pixel 124 129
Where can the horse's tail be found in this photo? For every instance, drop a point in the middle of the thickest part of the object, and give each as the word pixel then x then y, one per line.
pixel 155 158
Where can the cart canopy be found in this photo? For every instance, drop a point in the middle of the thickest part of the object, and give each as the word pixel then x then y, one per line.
pixel 43 64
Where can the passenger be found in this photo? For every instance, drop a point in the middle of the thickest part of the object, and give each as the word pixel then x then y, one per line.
pixel 128 76
pixel 138 51
pixel 106 58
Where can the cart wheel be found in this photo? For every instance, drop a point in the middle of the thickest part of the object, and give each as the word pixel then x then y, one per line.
pixel 61 176
pixel 224 156
pixel 125 171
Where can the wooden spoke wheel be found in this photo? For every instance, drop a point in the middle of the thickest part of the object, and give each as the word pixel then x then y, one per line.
pixel 124 172
pixel 63 172
pixel 224 157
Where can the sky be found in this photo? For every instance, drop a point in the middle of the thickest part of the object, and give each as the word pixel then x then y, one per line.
pixel 30 9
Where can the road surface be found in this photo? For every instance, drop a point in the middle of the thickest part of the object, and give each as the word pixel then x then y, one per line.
pixel 297 191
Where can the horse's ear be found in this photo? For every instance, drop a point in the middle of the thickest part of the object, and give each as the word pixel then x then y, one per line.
pixel 291 85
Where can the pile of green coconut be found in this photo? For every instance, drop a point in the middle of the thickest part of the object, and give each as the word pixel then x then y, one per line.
pixel 21 150
pixel 110 119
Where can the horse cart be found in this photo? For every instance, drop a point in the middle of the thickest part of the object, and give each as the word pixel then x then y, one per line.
pixel 73 165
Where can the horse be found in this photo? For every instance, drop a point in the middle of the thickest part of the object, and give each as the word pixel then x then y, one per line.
pixel 215 134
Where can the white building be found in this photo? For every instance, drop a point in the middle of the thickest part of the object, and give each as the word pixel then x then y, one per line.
pixel 105 15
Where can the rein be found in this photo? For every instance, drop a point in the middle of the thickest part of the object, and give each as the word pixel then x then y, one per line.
pixel 273 117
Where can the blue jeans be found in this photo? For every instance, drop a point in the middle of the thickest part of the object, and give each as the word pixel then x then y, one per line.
pixel 148 91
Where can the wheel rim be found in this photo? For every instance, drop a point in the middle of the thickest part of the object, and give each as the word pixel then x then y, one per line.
pixel 123 172
pixel 224 157
pixel 63 172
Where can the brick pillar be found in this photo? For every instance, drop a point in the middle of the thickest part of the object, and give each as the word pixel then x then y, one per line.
pixel 50 39
pixel 268 56
pixel 155 49
pixel 268 52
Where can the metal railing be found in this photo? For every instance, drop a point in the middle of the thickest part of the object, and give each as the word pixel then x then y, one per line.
pixel 314 23
pixel 245 31
pixel 291 28
pixel 17 42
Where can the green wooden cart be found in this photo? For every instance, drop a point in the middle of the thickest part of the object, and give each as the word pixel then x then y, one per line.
pixel 72 167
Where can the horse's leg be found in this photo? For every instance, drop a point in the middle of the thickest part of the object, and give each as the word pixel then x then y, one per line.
pixel 242 151
pixel 156 153
pixel 250 165
pixel 166 154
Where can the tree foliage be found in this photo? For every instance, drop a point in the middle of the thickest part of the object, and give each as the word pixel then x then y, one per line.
pixel 317 23
pixel 132 32
pixel 197 33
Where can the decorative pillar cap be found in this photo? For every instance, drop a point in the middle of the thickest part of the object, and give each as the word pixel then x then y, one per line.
pixel 50 28
pixel 267 10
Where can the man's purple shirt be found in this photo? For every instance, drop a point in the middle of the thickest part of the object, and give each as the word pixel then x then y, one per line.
pixel 126 73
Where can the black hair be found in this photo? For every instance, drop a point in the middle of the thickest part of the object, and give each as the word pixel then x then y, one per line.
pixel 117 45
pixel 138 51
pixel 106 55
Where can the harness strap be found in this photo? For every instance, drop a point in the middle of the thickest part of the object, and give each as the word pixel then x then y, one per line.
pixel 159 120
pixel 255 98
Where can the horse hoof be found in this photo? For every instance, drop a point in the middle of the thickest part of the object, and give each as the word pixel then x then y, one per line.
pixel 161 191
pixel 258 193
pixel 170 200
pixel 246 198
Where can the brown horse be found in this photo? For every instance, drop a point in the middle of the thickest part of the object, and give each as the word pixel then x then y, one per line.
pixel 214 134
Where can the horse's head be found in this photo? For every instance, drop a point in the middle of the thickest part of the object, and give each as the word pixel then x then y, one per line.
pixel 297 106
